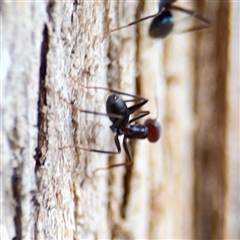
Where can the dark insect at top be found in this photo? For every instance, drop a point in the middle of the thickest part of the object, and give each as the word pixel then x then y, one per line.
pixel 163 21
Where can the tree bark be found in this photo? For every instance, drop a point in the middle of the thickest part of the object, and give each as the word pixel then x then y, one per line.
pixel 184 186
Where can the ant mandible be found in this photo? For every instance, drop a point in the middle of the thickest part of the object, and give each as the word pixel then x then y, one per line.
pixel 163 21
pixel 119 115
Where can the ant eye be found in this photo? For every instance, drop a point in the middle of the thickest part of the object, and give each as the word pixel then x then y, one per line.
pixel 155 130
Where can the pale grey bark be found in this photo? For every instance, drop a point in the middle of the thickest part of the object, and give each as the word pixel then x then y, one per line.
pixel 21 37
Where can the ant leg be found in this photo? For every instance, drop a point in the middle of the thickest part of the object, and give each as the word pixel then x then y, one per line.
pixel 135 22
pixel 116 140
pixel 114 91
pixel 96 150
pixel 195 15
pixel 140 115
pixel 193 29
pixel 135 107
pixel 76 107
pixel 132 109
pixel 126 149
pixel 135 97
pixel 128 152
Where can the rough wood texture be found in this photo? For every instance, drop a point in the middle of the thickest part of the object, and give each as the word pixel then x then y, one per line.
pixel 21 32
pixel 184 186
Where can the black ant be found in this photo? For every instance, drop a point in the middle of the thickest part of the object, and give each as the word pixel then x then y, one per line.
pixel 119 115
pixel 163 21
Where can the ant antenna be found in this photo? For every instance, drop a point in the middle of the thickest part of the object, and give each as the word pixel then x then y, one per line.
pixel 135 22
pixel 156 107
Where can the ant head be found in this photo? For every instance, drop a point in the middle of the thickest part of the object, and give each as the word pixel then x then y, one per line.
pixel 161 25
pixel 117 110
pixel 155 130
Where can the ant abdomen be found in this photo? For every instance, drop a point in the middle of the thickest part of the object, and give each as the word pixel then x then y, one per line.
pixel 155 130
pixel 161 25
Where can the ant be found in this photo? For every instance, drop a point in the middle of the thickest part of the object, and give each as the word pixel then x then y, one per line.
pixel 163 21
pixel 119 114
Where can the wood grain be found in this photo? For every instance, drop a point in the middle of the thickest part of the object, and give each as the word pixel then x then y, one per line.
pixel 184 186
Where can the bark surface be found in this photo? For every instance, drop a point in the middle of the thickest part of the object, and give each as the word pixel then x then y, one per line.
pixel 184 186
